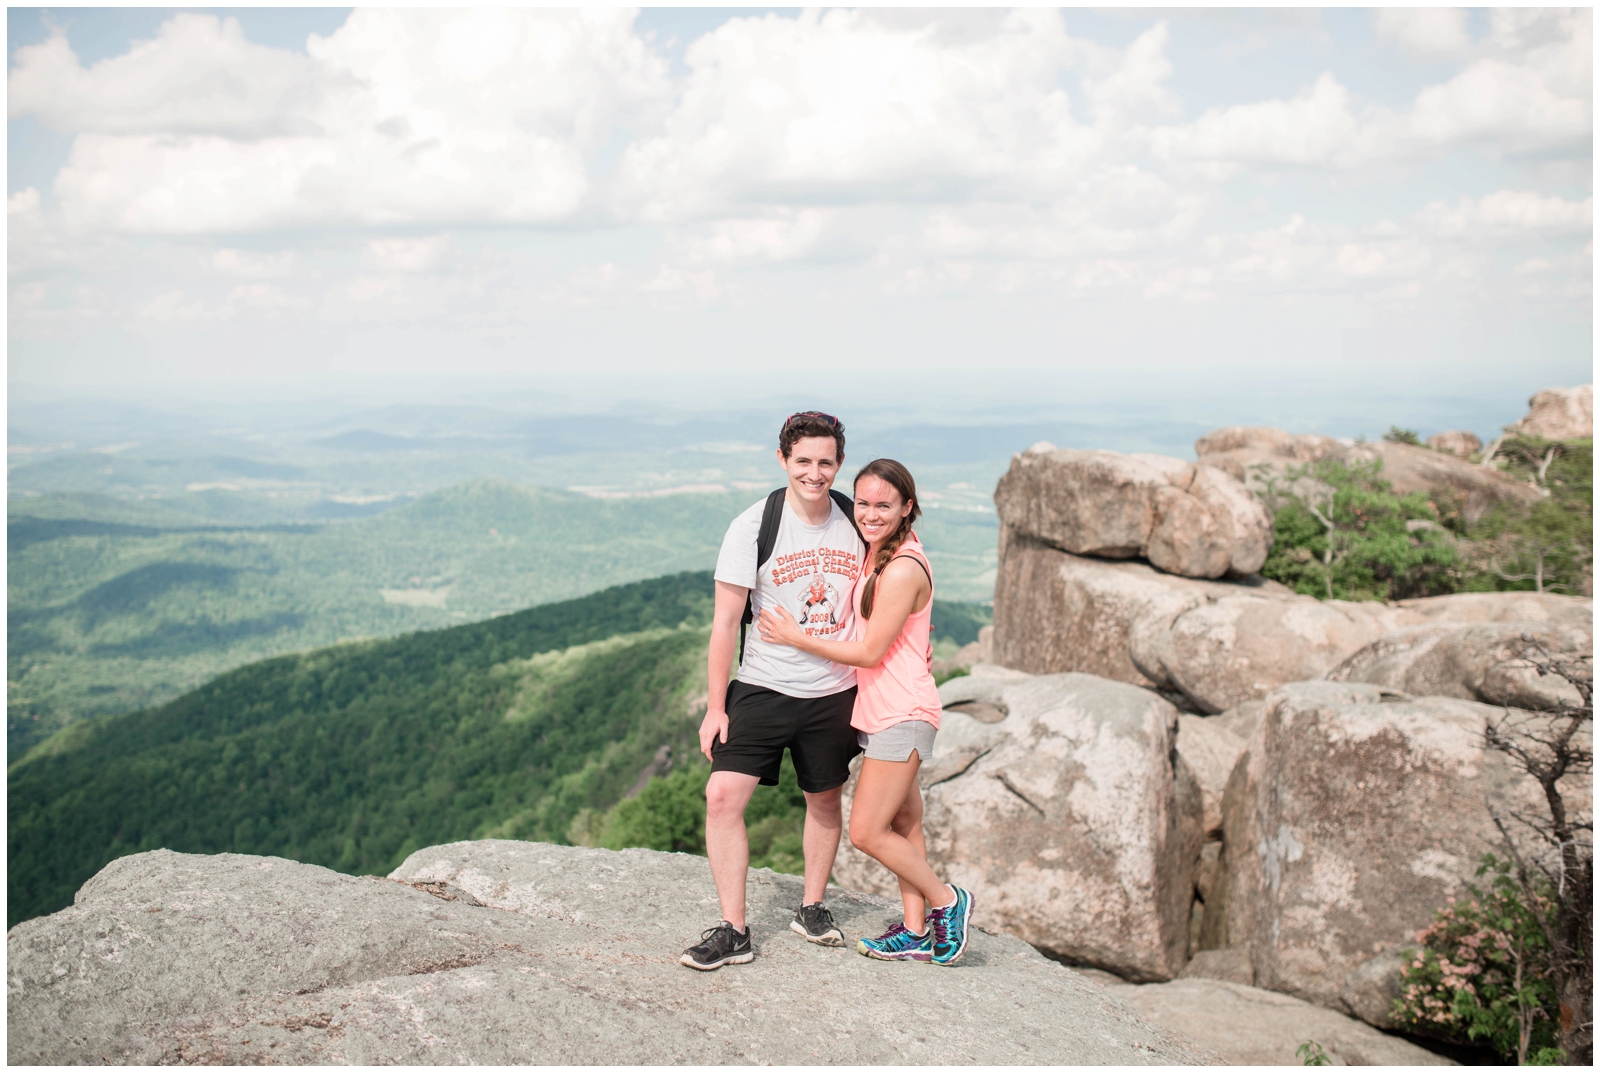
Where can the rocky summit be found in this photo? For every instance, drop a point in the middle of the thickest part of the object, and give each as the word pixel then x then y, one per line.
pixel 517 953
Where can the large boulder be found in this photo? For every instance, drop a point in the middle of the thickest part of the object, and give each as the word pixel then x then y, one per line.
pixel 1355 814
pixel 1186 519
pixel 1559 413
pixel 1210 644
pixel 1238 447
pixel 1253 455
pixel 1481 661
pixel 1410 468
pixel 1070 819
pixel 1552 609
pixel 1250 1026
pixel 515 953
pixel 1457 442
pixel 1210 750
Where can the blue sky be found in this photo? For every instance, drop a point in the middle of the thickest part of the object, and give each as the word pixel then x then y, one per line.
pixel 1123 204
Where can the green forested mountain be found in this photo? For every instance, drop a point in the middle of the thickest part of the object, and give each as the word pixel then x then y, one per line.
pixel 115 604
pixel 353 756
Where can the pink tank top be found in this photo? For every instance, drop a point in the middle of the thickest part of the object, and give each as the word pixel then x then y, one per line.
pixel 901 687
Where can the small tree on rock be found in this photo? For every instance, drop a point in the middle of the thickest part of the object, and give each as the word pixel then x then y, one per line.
pixel 1556 872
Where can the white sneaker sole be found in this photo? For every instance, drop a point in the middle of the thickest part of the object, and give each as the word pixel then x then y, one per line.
pixel 732 959
pixel 832 938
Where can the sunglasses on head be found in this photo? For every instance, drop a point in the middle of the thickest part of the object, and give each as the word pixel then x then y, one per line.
pixel 818 414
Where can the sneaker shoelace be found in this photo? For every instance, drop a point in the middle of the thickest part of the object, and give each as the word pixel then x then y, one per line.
pixel 814 915
pixel 711 933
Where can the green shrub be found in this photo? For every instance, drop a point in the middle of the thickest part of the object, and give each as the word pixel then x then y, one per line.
pixel 1340 532
pixel 1480 974
pixel 1396 434
pixel 670 814
pixel 1550 546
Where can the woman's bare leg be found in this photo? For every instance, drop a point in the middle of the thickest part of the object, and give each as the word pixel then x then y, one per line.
pixel 908 823
pixel 880 795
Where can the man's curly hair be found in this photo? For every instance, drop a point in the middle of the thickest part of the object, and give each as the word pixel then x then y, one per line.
pixel 807 424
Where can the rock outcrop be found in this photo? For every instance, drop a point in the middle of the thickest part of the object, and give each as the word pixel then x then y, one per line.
pixel 1249 1026
pixel 1544 609
pixel 1210 644
pixel 1185 519
pixel 1069 819
pixel 1481 661
pixel 515 953
pixel 1210 750
pixel 1250 454
pixel 1559 413
pixel 1457 442
pixel 1352 817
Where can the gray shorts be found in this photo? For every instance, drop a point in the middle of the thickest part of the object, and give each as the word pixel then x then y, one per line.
pixel 897 742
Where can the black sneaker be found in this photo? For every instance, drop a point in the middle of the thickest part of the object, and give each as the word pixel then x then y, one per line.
pixel 816 924
pixel 719 946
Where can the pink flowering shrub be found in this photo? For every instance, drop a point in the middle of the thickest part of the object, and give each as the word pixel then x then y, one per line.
pixel 1480 973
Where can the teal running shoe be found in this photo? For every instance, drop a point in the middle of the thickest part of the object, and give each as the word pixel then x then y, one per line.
pixel 949 927
pixel 899 943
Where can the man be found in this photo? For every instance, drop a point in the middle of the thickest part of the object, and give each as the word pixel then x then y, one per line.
pixel 783 698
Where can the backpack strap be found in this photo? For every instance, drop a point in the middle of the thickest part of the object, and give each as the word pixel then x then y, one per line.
pixel 848 506
pixel 767 539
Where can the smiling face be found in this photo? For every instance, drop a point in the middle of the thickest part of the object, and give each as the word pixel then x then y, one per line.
pixel 812 464
pixel 879 509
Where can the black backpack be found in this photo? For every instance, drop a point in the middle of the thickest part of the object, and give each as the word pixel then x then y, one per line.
pixel 767 539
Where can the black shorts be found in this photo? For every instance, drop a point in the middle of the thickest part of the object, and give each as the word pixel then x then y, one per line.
pixel 763 722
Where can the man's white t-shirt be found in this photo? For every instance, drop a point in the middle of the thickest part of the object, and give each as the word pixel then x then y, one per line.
pixel 810 575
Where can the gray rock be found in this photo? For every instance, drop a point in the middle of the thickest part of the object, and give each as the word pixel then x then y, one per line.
pixel 1185 519
pixel 1211 645
pixel 1548 609
pixel 1371 988
pixel 1210 749
pixel 1480 661
pixel 1242 719
pixel 1075 826
pixel 176 958
pixel 1249 1026
pixel 1252 455
pixel 1230 965
pixel 1353 816
pixel 1560 413
pixel 1457 441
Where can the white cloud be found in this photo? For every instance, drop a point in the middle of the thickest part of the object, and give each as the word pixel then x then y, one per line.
pixel 1533 95
pixel 844 108
pixel 406 254
pixel 177 306
pixel 1425 31
pixel 248 264
pixel 198 76
pixel 1319 126
pixel 787 236
pixel 399 117
pixel 1510 213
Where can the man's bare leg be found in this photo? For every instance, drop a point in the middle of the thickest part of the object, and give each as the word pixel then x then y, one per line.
pixel 820 840
pixel 727 841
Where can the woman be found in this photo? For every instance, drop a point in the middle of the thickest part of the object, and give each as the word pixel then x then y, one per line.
pixel 896 713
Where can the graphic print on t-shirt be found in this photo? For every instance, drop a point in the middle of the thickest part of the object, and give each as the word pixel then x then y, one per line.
pixel 819 605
